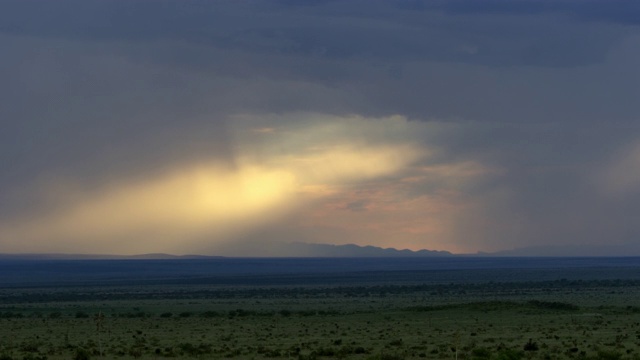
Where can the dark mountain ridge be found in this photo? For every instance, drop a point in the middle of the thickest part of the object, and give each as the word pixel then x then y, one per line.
pixel 281 250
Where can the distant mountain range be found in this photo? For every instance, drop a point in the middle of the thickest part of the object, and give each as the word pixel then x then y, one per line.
pixel 352 250
pixel 357 251
pixel 275 250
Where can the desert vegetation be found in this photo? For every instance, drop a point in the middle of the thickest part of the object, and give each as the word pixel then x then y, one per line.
pixel 581 319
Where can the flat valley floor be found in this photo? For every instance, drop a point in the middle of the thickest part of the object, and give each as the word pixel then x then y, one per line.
pixel 550 311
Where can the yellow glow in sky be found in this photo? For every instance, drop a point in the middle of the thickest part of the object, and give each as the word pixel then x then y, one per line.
pixel 160 211
pixel 208 203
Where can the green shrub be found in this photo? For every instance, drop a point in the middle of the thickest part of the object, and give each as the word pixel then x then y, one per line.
pixel 609 355
pixel 387 357
pixel 397 342
pixel 81 315
pixel 509 354
pixel 553 305
pixel 531 346
pixel 481 353
pixel 34 357
pixel 81 354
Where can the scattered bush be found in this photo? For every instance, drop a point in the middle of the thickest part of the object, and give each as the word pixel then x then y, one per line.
pixel 481 354
pixel 195 351
pixel 81 315
pixel 387 357
pixel 34 357
pixel 553 305
pixel 530 346
pixel 609 355
pixel 509 354
pixel 397 342
pixel 81 354
pixel 210 314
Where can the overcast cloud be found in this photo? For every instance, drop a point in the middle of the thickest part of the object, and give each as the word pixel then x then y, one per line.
pixel 189 126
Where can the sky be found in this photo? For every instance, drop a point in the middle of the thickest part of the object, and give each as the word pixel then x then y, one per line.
pixel 225 127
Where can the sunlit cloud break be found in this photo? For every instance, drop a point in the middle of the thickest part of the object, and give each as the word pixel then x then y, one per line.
pixel 210 202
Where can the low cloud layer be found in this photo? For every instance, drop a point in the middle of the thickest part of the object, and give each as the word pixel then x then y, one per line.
pixel 189 126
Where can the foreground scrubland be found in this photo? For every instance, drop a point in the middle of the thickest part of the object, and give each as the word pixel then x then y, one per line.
pixel 559 319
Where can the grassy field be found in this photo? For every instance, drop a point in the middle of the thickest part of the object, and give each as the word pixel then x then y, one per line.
pixel 598 319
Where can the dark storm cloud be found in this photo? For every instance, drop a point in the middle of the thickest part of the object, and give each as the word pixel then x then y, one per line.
pixel 616 11
pixel 370 31
pixel 421 65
